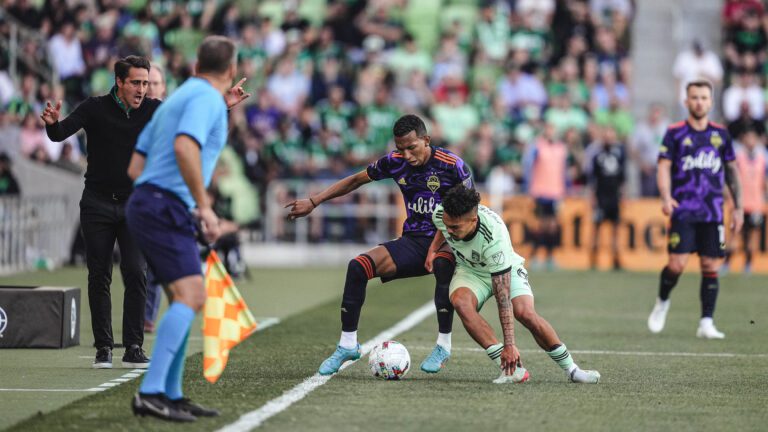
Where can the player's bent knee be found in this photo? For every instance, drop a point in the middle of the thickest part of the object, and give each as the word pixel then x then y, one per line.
pixel 526 316
pixel 362 267
pixel 443 267
pixel 463 301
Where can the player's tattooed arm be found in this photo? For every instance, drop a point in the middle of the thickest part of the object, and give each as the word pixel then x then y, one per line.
pixel 732 180
pixel 501 287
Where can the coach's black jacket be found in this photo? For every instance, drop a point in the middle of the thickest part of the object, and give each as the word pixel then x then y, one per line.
pixel 111 136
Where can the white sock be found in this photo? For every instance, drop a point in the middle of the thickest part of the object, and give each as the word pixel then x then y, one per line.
pixel 444 340
pixel 707 321
pixel 572 368
pixel 348 340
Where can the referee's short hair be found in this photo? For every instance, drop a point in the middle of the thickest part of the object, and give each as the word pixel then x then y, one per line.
pixel 124 65
pixel 215 54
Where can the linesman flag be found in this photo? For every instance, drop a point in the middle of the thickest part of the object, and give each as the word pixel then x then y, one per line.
pixel 226 320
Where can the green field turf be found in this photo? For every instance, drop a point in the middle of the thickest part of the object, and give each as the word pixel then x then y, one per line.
pixel 641 389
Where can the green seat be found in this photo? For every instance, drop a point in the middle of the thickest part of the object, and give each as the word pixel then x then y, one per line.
pixel 313 11
pixel 465 14
pixel 273 10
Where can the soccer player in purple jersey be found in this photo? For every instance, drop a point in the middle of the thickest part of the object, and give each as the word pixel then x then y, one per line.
pixel 696 161
pixel 423 173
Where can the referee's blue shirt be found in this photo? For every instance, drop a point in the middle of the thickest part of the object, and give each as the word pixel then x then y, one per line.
pixel 195 109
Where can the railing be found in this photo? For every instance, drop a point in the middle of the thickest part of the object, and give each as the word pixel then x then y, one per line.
pixel 370 214
pixel 35 232
pixel 19 34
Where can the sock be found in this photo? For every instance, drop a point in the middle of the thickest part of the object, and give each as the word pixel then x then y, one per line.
pixel 348 340
pixel 494 352
pixel 667 282
pixel 443 267
pixel 170 336
pixel 560 355
pixel 359 271
pixel 748 258
pixel 708 294
pixel 444 340
pixel 176 372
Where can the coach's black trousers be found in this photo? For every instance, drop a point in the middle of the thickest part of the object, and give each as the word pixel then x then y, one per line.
pixel 102 218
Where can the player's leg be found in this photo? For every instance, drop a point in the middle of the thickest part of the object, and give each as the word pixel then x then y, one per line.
pixel 547 339
pixel 595 239
pixel 133 268
pixel 361 269
pixel 99 234
pixel 711 243
pixel 751 238
pixel 442 267
pixel 681 242
pixel 468 294
pixel 615 238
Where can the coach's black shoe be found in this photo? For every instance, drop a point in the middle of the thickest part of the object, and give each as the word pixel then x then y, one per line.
pixel 157 405
pixel 135 358
pixel 103 358
pixel 197 410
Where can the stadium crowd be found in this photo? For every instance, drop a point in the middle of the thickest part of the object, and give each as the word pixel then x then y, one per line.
pixel 329 78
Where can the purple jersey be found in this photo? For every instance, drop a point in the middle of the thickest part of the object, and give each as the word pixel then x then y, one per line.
pixel 421 186
pixel 698 167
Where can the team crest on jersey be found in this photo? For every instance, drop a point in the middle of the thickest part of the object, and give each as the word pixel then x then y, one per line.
pixel 498 258
pixel 674 240
pixel 401 181
pixel 433 183
pixel 687 142
pixel 715 139
pixel 475 256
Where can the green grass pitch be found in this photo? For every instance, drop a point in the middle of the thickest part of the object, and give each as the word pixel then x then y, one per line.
pixel 670 381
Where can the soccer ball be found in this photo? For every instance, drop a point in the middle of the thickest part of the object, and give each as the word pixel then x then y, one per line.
pixel 389 360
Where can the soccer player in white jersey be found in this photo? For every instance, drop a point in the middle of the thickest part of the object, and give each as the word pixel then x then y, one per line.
pixel 487 265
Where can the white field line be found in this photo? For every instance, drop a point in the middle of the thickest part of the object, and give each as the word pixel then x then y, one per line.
pixel 620 353
pixel 257 417
pixel 135 373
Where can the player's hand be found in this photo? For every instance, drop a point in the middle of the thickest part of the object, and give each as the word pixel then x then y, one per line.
pixel 209 223
pixel 738 219
pixel 300 208
pixel 51 113
pixel 668 206
pixel 431 255
pixel 236 94
pixel 510 358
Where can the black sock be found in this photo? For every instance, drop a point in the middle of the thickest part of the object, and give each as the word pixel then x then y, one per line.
pixel 748 257
pixel 708 294
pixel 359 271
pixel 667 282
pixel 443 267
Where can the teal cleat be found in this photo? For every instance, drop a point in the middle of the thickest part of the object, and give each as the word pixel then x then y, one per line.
pixel 332 364
pixel 436 360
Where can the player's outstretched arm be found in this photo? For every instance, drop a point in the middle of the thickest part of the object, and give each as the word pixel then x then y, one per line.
pixel 437 243
pixel 732 180
pixel 510 356
pixel 664 181
pixel 303 207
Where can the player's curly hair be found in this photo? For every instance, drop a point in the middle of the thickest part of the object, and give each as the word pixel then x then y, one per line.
pixel 460 200
pixel 407 123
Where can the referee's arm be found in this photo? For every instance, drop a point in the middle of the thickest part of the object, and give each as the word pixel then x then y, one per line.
pixel 136 167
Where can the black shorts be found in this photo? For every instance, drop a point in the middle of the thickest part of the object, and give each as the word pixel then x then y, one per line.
pixel 409 254
pixel 753 220
pixel 546 207
pixel 607 212
pixel 705 238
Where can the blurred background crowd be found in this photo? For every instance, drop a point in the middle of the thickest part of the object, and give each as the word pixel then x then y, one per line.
pixel 329 78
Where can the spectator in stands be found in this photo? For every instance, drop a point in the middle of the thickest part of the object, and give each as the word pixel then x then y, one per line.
pixel 519 89
pixel 288 87
pixel 9 186
pixel 66 53
pixel 644 148
pixel 744 91
pixel 156 88
pixel 696 63
pixel 745 39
